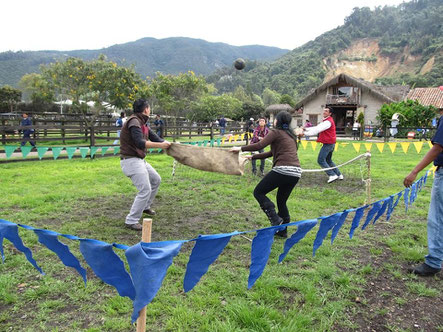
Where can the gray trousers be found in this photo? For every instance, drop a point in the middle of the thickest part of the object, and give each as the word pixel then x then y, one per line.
pixel 147 181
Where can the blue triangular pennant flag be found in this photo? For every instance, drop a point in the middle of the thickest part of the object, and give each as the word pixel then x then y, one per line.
pixel 206 250
pixel 56 152
pixel 94 150
pixel 107 266
pixel 26 150
pixel 41 150
pixel 406 197
pixel 104 149
pixel 303 227
pixel 9 150
pixel 84 152
pixel 339 224
pixel 425 178
pixel 356 221
pixel 260 251
pixel 326 224
pixel 49 239
pixel 149 263
pixel 70 150
pixel 413 194
pixel 393 204
pixel 9 231
pixel 372 212
pixel 383 208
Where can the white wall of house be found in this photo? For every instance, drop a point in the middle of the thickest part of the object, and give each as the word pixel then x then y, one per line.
pixel 315 107
pixel 373 104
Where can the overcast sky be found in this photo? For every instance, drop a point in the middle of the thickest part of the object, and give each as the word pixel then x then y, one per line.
pixel 94 24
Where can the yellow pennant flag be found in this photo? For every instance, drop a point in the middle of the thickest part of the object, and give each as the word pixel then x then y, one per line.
pixel 392 146
pixel 430 144
pixel 314 145
pixel 356 146
pixel 336 147
pixel 380 146
pixel 304 144
pixel 223 140
pixel 405 146
pixel 230 139
pixel 368 146
pixel 418 146
pixel 344 144
pixel 235 138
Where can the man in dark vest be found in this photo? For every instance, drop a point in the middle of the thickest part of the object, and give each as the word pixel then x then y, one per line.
pixel 326 136
pixel 135 138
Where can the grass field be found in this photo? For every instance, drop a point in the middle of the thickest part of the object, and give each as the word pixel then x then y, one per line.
pixel 353 285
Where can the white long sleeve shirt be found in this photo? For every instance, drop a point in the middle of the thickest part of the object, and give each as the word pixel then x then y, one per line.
pixel 322 126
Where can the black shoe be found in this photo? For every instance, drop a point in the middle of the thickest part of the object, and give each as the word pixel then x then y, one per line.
pixel 284 232
pixel 150 212
pixel 424 270
pixel 134 227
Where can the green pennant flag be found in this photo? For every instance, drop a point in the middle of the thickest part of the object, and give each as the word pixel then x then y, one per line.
pixel 84 151
pixel 26 150
pixel 205 142
pixel 193 143
pixel 199 143
pixel 116 150
pixel 93 150
pixel 104 149
pixel 159 150
pixel 41 150
pixel 56 152
pixel 212 142
pixel 218 141
pixel 9 150
pixel 71 150
pixel 150 150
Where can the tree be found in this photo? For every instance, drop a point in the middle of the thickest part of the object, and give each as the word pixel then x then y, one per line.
pixel 9 97
pixel 99 80
pixel 209 108
pixel 36 89
pixel 287 99
pixel 270 97
pixel 414 114
pixel 175 95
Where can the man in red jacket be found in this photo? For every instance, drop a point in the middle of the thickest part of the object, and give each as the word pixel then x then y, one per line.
pixel 326 135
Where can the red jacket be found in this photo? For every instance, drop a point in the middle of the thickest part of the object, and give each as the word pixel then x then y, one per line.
pixel 328 136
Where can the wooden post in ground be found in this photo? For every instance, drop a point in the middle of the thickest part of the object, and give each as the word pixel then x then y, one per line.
pixel 146 237
pixel 368 181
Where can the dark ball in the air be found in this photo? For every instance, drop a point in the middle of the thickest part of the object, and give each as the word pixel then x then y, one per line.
pixel 239 64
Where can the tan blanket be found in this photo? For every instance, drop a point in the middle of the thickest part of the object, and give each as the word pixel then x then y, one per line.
pixel 208 159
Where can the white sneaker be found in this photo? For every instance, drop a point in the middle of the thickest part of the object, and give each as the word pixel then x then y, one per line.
pixel 332 178
pixel 340 177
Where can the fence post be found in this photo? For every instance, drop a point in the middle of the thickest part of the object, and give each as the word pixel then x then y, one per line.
pixel 92 136
pixel 4 133
pixel 212 131
pixel 63 132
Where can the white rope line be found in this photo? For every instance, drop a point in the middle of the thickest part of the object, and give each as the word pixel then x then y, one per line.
pixel 364 155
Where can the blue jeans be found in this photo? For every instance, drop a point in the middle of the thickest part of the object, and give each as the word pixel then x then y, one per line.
pixel 325 159
pixel 222 130
pixel 262 163
pixel 435 223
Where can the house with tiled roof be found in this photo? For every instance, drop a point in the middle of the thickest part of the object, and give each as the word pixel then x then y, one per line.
pixel 347 96
pixel 427 96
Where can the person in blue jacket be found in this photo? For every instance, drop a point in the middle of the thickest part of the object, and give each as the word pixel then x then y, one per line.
pixel 433 260
pixel 27 132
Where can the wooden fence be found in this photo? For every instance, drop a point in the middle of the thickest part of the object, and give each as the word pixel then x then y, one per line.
pixel 103 131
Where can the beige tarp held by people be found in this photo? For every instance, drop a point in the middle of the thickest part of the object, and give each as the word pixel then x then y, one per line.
pixel 208 159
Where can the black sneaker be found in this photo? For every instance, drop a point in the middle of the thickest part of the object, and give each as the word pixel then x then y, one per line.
pixel 424 270
pixel 151 212
pixel 134 227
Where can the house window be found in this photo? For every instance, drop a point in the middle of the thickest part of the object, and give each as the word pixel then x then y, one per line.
pixel 313 118
pixel 344 91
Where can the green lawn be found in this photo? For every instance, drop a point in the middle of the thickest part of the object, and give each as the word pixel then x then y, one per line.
pixel 337 290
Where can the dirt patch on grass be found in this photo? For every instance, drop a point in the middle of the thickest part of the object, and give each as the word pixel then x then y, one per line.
pixel 387 302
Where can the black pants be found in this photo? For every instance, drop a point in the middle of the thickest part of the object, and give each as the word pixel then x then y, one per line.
pixel 273 180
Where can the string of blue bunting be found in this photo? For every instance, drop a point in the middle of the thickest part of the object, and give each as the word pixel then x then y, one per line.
pixel 84 151
pixel 149 262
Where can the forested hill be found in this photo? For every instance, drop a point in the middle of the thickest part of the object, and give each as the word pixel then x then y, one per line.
pixel 402 44
pixel 148 55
